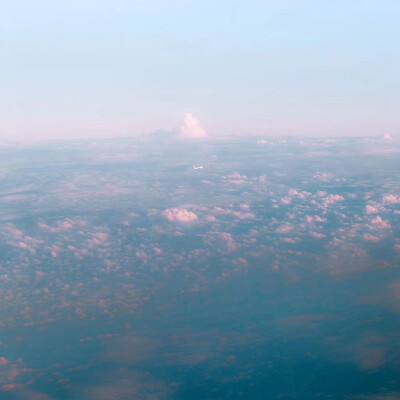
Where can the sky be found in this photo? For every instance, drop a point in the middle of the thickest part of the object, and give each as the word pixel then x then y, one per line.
pixel 88 69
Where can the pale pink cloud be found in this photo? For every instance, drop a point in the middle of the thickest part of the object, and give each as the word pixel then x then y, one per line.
pixel 242 261
pixel 142 255
pixel 285 228
pixel 295 193
pixel 332 199
pixel 371 209
pixel 379 223
pixel 243 215
pixel 157 250
pixel 317 235
pixel 371 238
pixel 8 387
pixel 288 240
pixel 21 245
pixel 230 243
pixel 323 176
pixel 237 179
pixel 17 233
pixel 98 238
pixel 238 214
pixel 59 227
pixel 180 215
pixel 14 197
pixel 336 242
pixel 236 175
pixel 316 218
pixel 391 199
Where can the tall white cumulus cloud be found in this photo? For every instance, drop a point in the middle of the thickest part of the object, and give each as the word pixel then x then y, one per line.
pixel 191 128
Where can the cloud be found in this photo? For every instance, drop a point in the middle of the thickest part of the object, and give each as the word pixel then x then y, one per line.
pixel 180 215
pixel 391 199
pixel 130 349
pixel 191 128
pixel 60 226
pixel 317 235
pixel 316 218
pixel 371 209
pixel 125 384
pixel 332 199
pixel 230 243
pixel 379 223
pixel 385 396
pixel 27 394
pixel 285 228
pixel 371 238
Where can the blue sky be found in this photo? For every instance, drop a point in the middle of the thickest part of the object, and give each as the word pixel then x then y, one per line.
pixel 101 68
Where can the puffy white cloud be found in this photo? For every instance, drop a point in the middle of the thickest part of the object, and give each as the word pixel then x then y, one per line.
pixel 180 215
pixel 191 128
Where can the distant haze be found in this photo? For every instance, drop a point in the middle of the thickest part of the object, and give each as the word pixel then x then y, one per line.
pixel 117 68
